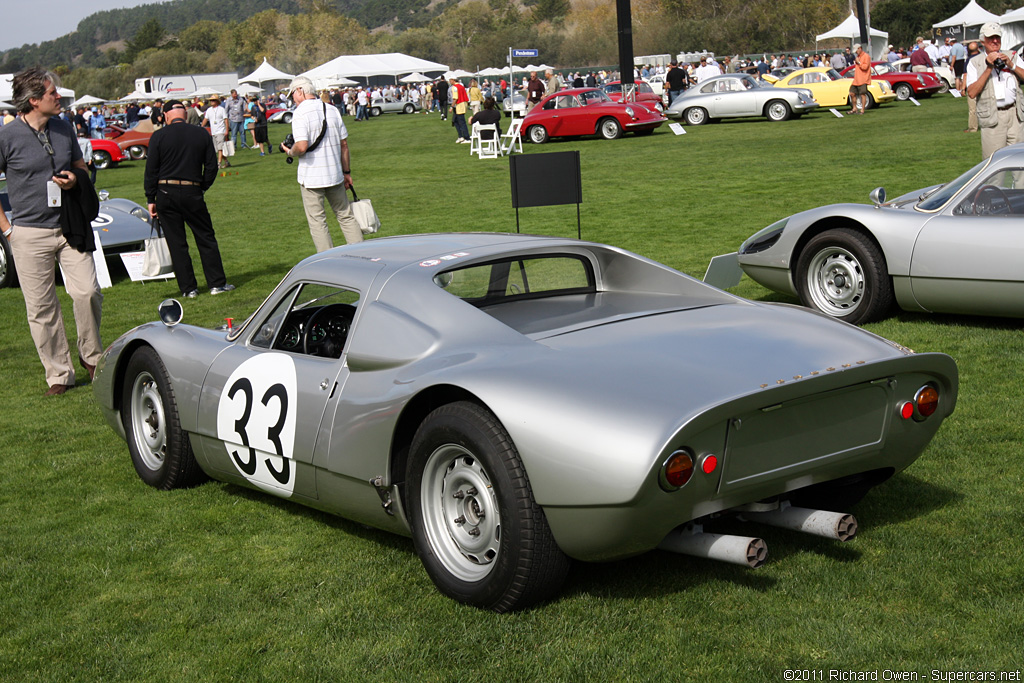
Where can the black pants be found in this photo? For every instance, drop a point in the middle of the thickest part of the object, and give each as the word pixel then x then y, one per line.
pixel 180 204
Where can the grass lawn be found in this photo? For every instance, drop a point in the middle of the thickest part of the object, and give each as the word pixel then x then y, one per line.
pixel 104 578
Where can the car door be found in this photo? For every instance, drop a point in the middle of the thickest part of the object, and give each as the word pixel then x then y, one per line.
pixel 733 99
pixel 970 258
pixel 264 399
pixel 564 115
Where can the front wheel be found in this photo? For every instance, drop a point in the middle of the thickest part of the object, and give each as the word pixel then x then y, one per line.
pixel 287 118
pixel 482 538
pixel 409 109
pixel 842 273
pixel 538 135
pixel 945 86
pixel 137 152
pixel 101 160
pixel 696 116
pixel 161 452
pixel 610 129
pixel 375 111
pixel 903 92
pixel 777 110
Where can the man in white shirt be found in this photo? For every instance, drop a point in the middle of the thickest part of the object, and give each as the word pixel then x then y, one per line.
pixel 324 164
pixel 933 52
pixel 993 79
pixel 705 70
pixel 216 119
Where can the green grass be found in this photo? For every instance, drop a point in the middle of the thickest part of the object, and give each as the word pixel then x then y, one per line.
pixel 103 578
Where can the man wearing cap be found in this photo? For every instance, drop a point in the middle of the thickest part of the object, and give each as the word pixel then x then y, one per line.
pixel 180 167
pixel 217 120
pixel 993 80
pixel 325 168
pixel 705 70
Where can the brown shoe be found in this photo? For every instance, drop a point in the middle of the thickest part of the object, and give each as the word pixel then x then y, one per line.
pixel 58 389
pixel 91 369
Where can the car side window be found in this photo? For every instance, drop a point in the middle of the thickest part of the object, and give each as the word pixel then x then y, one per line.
pixel 566 102
pixel 1000 194
pixel 550 104
pixel 710 87
pixel 798 80
pixel 315 321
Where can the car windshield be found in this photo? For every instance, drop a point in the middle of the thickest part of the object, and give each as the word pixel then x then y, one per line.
pixel 884 69
pixel 613 87
pixel 833 75
pixel 936 200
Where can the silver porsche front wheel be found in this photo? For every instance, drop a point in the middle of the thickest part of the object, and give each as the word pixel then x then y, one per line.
pixel 480 535
pixel 161 452
pixel 842 273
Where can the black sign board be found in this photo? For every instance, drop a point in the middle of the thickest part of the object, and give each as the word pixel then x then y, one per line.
pixel 546 180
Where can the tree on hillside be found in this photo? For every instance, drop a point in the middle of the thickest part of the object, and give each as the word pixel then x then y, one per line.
pixel 149 36
pixel 202 36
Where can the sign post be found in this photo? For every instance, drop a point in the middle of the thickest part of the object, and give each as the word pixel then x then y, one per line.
pixel 517 52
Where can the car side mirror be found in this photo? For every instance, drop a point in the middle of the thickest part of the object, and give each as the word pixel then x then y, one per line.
pixel 104 195
pixel 171 312
pixel 878 196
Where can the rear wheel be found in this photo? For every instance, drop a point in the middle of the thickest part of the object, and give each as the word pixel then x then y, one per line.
pixel 137 152
pixel 409 109
pixel 287 118
pixel 101 159
pixel 161 452
pixel 696 116
pixel 482 538
pixel 903 92
pixel 610 129
pixel 777 110
pixel 945 85
pixel 842 273
pixel 375 111
pixel 538 135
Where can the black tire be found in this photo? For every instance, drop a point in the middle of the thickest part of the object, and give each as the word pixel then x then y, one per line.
pixel 482 538
pixel 137 152
pixel 409 108
pixel 161 451
pixel 375 111
pixel 287 117
pixel 101 160
pixel 538 135
pixel 903 92
pixel 945 85
pixel 696 116
pixel 777 110
pixel 843 274
pixel 609 128
pixel 8 275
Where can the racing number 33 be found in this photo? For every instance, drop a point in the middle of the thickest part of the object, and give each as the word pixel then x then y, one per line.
pixel 273 433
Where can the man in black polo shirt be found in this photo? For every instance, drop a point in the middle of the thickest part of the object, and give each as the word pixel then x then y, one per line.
pixel 181 165
pixel 675 79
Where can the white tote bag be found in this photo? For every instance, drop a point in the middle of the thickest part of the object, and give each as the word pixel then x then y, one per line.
pixel 364 214
pixel 157 260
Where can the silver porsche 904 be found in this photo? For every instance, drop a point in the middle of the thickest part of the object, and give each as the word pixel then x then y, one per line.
pixel 953 248
pixel 738 95
pixel 512 402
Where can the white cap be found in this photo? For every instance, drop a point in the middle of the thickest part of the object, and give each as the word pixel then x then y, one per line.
pixel 990 29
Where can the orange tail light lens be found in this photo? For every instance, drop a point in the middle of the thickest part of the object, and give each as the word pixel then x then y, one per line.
pixel 927 401
pixel 677 470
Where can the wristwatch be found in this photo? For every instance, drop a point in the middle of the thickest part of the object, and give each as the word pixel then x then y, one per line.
pixel 8 231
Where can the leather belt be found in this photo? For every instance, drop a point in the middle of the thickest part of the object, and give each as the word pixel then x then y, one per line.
pixel 1009 106
pixel 178 182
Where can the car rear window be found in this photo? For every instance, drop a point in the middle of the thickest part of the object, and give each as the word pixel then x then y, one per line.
pixel 514 279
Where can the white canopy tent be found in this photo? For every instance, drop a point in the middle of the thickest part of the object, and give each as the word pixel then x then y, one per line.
pixel 333 82
pixel 87 100
pixel 7 94
pixel 137 96
pixel 414 78
pixel 248 89
pixel 203 93
pixel 972 16
pixel 458 73
pixel 6 105
pixel 266 72
pixel 492 71
pixel 1013 27
pixel 850 30
pixel 387 64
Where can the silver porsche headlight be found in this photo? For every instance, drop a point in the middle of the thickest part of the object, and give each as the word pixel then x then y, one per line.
pixel 765 238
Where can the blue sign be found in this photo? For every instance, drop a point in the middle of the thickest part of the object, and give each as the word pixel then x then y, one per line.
pixel 525 53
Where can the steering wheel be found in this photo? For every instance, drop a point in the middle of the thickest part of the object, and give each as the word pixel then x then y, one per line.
pixel 327 330
pixel 983 204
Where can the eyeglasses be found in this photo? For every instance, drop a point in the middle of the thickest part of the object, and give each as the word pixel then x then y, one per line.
pixel 44 139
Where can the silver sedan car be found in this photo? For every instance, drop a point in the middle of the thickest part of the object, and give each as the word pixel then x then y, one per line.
pixel 953 248
pixel 739 95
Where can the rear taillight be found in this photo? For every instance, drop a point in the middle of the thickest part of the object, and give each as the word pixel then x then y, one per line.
pixel 677 470
pixel 924 405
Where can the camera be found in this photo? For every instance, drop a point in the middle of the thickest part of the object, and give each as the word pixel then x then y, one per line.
pixel 289 142
pixel 999 64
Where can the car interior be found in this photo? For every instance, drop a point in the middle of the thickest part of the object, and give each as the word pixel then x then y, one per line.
pixel 314 322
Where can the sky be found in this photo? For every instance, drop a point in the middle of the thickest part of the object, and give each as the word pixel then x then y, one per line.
pixel 33 22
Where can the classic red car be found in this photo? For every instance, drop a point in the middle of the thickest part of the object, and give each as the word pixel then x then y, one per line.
pixel 106 153
pixel 135 142
pixel 645 95
pixel 587 111
pixel 905 85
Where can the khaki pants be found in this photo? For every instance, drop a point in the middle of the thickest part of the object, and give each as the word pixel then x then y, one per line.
pixel 35 250
pixel 313 204
pixel 972 114
pixel 1006 132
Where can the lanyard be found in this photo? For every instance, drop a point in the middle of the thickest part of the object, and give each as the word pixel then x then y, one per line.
pixel 44 141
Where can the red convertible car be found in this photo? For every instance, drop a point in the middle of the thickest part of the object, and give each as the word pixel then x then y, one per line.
pixel 587 111
pixel 905 85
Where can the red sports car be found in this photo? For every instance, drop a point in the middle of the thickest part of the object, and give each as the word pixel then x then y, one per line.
pixel 587 111
pixel 645 95
pixel 106 153
pixel 905 85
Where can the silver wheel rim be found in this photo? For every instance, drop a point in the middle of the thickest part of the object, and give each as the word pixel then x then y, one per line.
pixel 537 134
pixel 460 512
pixel 835 281
pixel 777 110
pixel 695 117
pixel 610 128
pixel 136 152
pixel 902 93
pixel 149 426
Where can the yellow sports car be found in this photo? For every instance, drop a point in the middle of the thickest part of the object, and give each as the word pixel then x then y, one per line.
pixel 832 90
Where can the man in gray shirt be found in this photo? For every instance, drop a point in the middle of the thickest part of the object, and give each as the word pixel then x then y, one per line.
pixel 234 107
pixel 37 152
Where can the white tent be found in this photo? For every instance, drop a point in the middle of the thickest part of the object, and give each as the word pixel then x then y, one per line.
pixel 1013 27
pixel 493 71
pixel 86 100
pixel 248 89
pixel 458 73
pixel 388 64
pixel 203 93
pixel 850 30
pixel 6 105
pixel 6 93
pixel 415 78
pixel 143 97
pixel 971 16
pixel 333 82
pixel 266 72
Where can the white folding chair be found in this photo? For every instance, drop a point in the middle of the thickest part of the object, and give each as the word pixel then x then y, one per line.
pixel 512 138
pixel 489 148
pixel 474 139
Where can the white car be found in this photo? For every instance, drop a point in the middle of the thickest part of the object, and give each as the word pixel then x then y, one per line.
pixel 942 71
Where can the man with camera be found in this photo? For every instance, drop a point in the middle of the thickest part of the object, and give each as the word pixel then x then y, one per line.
pixel 318 139
pixel 993 79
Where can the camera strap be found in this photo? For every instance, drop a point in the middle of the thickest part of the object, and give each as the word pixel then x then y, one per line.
pixel 323 131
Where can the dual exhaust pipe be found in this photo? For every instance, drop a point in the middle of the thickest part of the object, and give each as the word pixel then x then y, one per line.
pixel 752 552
